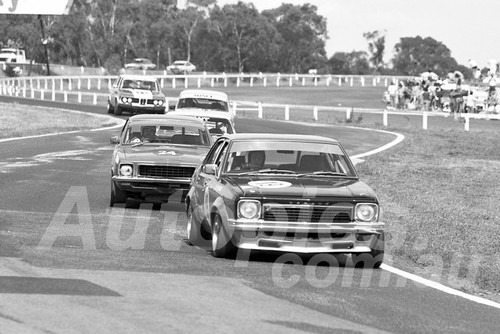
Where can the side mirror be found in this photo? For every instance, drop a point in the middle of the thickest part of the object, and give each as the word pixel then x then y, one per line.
pixel 171 107
pixel 114 140
pixel 210 169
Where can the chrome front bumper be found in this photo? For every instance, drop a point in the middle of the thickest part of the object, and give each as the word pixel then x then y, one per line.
pixel 306 237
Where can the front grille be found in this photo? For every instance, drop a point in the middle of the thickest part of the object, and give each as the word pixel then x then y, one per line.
pixel 166 171
pixel 142 102
pixel 313 213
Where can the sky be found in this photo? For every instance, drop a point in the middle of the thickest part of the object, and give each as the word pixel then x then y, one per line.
pixel 470 29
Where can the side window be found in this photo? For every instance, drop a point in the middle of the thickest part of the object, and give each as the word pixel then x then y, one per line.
pixel 220 155
pixel 213 153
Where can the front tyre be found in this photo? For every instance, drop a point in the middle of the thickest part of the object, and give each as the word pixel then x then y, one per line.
pixel 192 227
pixel 118 110
pixel 110 108
pixel 222 245
pixel 117 195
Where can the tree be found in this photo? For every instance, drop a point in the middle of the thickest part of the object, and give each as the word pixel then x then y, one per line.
pixel 376 47
pixel 244 34
pixel 303 34
pixel 355 62
pixel 414 55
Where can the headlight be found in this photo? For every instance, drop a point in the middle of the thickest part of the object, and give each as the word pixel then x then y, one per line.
pixel 126 170
pixel 126 100
pixel 249 209
pixel 366 212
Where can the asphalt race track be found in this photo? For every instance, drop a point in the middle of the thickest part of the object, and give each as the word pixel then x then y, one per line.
pixel 70 263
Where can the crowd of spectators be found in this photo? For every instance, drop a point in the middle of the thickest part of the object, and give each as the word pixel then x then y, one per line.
pixel 451 94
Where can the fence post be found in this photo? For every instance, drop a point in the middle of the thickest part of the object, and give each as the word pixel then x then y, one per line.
pixel 290 81
pixel 212 83
pixel 79 84
pixel 259 107
pixel 238 82
pixel 173 82
pixel 340 81
pixel 42 94
pixel 95 99
pixel 287 112
pixel 315 81
pixel 352 81
pixel 89 83
pixel 424 120
pixel 98 83
pixel 264 82
pixel 278 80
pixel 385 117
pixel 234 108
pixel 79 97
pixel 467 122
pixel 199 82
pixel 251 81
pixel 65 96
pixel 186 82
pixel 315 113
pixel 61 84
pixel 225 79
pixel 53 95
pixel 348 113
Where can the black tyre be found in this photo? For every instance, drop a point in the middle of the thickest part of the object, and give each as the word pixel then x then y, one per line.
pixel 118 110
pixel 117 195
pixel 110 108
pixel 372 260
pixel 222 245
pixel 192 227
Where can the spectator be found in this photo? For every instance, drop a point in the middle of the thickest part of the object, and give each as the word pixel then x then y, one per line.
pixel 392 90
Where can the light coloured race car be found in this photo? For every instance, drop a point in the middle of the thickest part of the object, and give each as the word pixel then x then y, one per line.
pixel 136 94
pixel 203 101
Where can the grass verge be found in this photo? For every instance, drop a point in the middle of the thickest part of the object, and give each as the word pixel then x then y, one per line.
pixel 20 120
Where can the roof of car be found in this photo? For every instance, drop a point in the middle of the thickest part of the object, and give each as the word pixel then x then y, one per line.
pixel 206 93
pixel 151 117
pixel 138 77
pixel 280 136
pixel 202 113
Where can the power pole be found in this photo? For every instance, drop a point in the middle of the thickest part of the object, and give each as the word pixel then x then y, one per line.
pixel 44 42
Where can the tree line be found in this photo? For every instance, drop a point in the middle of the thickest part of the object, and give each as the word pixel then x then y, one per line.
pixel 231 38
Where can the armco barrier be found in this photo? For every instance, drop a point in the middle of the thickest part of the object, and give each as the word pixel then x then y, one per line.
pixel 72 89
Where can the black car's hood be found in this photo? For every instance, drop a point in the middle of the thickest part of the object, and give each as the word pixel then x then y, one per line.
pixel 173 154
pixel 301 187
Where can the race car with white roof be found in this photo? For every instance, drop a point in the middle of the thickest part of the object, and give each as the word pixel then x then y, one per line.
pixel 204 101
pixel 136 94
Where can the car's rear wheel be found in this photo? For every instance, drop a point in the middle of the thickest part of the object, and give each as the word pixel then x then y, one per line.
pixel 117 195
pixel 222 245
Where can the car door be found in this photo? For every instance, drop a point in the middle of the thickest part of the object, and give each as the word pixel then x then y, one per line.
pixel 113 92
pixel 200 177
pixel 213 185
pixel 209 180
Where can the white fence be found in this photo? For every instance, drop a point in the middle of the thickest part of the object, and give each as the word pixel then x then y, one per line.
pixel 87 90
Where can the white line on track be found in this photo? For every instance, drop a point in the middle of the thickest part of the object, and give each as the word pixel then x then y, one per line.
pixel 439 286
pixel 399 139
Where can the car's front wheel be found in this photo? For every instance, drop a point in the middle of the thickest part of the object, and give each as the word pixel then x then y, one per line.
pixel 117 195
pixel 110 108
pixel 192 227
pixel 222 245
